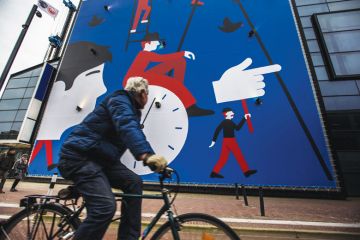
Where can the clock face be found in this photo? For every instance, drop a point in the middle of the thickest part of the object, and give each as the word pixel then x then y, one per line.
pixel 165 127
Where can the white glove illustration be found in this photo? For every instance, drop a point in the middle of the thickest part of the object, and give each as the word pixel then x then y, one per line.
pixel 237 83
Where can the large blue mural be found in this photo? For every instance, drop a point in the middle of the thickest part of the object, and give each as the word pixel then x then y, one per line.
pixel 231 99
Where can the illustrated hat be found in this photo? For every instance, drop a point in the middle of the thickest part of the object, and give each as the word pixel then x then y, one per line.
pixel 151 37
pixel 227 109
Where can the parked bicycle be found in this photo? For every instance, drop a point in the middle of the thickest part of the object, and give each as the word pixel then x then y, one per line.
pixel 53 217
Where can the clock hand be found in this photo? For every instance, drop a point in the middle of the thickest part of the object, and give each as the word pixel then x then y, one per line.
pixel 142 124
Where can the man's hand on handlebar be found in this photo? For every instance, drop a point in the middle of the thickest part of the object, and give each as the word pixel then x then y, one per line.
pixel 155 162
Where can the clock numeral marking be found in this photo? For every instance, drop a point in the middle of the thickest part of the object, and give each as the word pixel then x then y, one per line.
pixel 163 97
pixel 171 147
pixel 178 128
pixel 134 164
pixel 175 109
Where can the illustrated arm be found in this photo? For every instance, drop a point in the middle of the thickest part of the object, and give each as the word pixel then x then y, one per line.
pixel 240 124
pixel 217 131
pixel 155 57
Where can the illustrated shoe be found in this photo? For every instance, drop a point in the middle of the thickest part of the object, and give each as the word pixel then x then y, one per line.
pixel 133 31
pixel 216 175
pixel 195 111
pixel 144 21
pixel 13 190
pixel 248 173
pixel 198 3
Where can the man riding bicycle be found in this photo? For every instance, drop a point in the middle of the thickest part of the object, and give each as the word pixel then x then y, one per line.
pixel 90 157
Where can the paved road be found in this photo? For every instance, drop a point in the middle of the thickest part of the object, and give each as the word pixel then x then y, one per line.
pixel 286 218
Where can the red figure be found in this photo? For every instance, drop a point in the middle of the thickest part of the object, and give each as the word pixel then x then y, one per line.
pixel 48 151
pixel 143 5
pixel 230 144
pixel 159 74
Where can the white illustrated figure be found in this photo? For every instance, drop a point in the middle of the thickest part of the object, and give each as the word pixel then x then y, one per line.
pixel 238 82
pixel 165 125
pixel 68 108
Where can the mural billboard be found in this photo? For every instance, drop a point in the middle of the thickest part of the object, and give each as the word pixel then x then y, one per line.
pixel 231 99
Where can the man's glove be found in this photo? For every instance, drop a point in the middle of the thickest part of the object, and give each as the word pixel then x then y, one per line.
pixel 156 163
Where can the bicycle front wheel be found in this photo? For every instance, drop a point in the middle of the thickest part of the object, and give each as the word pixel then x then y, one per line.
pixel 197 226
pixel 46 221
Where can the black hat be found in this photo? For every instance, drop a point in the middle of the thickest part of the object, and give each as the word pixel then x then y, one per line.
pixel 227 109
pixel 151 37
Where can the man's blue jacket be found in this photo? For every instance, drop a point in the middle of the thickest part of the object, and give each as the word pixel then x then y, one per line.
pixel 106 133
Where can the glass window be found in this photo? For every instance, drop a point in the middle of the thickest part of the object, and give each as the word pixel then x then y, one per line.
pixel 5 127
pixel 13 93
pixel 339 38
pixel 24 103
pixel 36 72
pixel 346 63
pixel 20 115
pixel 7 116
pixel 33 81
pixel 18 83
pixel 339 21
pixel 24 75
pixel 343 41
pixel 29 92
pixel 16 126
pixel 317 59
pixel 10 104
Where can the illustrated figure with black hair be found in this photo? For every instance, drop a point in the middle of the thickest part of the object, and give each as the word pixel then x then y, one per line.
pixel 229 144
pixel 7 161
pixel 159 74
pixel 73 95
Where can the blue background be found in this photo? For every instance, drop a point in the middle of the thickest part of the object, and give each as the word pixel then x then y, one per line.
pixel 278 148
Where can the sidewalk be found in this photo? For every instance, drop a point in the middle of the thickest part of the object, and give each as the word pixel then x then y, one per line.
pixel 285 218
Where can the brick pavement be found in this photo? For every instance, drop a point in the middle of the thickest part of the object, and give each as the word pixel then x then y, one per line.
pixel 297 217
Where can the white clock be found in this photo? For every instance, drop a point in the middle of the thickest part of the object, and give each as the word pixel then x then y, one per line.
pixel 165 122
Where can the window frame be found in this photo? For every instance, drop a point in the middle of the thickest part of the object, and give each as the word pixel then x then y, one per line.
pixel 324 50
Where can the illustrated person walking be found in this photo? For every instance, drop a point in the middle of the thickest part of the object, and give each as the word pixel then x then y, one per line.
pixel 229 144
pixel 159 74
pixel 20 171
pixel 90 157
pixel 7 161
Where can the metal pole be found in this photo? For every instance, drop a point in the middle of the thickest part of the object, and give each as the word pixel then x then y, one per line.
pixel 244 195
pixel 64 31
pixel 17 45
pixel 262 207
pixel 237 191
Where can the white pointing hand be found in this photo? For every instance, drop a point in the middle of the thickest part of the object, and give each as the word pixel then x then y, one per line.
pixel 237 83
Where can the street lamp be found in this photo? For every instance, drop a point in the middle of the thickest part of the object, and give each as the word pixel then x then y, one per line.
pixel 18 43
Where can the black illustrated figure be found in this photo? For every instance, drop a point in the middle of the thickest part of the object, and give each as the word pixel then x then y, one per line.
pixel 230 144
pixel 7 161
pixel 90 157
pixel 20 170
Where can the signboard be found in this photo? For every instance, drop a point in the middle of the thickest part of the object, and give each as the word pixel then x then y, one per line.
pixel 237 103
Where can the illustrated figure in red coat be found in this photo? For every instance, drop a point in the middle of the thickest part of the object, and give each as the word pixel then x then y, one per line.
pixel 143 5
pixel 229 144
pixel 159 74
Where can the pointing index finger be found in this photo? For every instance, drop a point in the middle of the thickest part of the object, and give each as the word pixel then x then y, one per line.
pixel 264 70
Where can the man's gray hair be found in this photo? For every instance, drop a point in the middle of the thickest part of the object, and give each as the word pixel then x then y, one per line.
pixel 137 84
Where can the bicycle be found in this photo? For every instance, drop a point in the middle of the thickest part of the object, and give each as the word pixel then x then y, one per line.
pixel 44 217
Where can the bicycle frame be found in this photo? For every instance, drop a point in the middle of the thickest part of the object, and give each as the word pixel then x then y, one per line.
pixel 166 208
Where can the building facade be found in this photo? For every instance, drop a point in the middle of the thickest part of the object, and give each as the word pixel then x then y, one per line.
pixel 331 30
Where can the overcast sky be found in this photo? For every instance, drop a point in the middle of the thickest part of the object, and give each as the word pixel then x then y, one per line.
pixel 13 14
